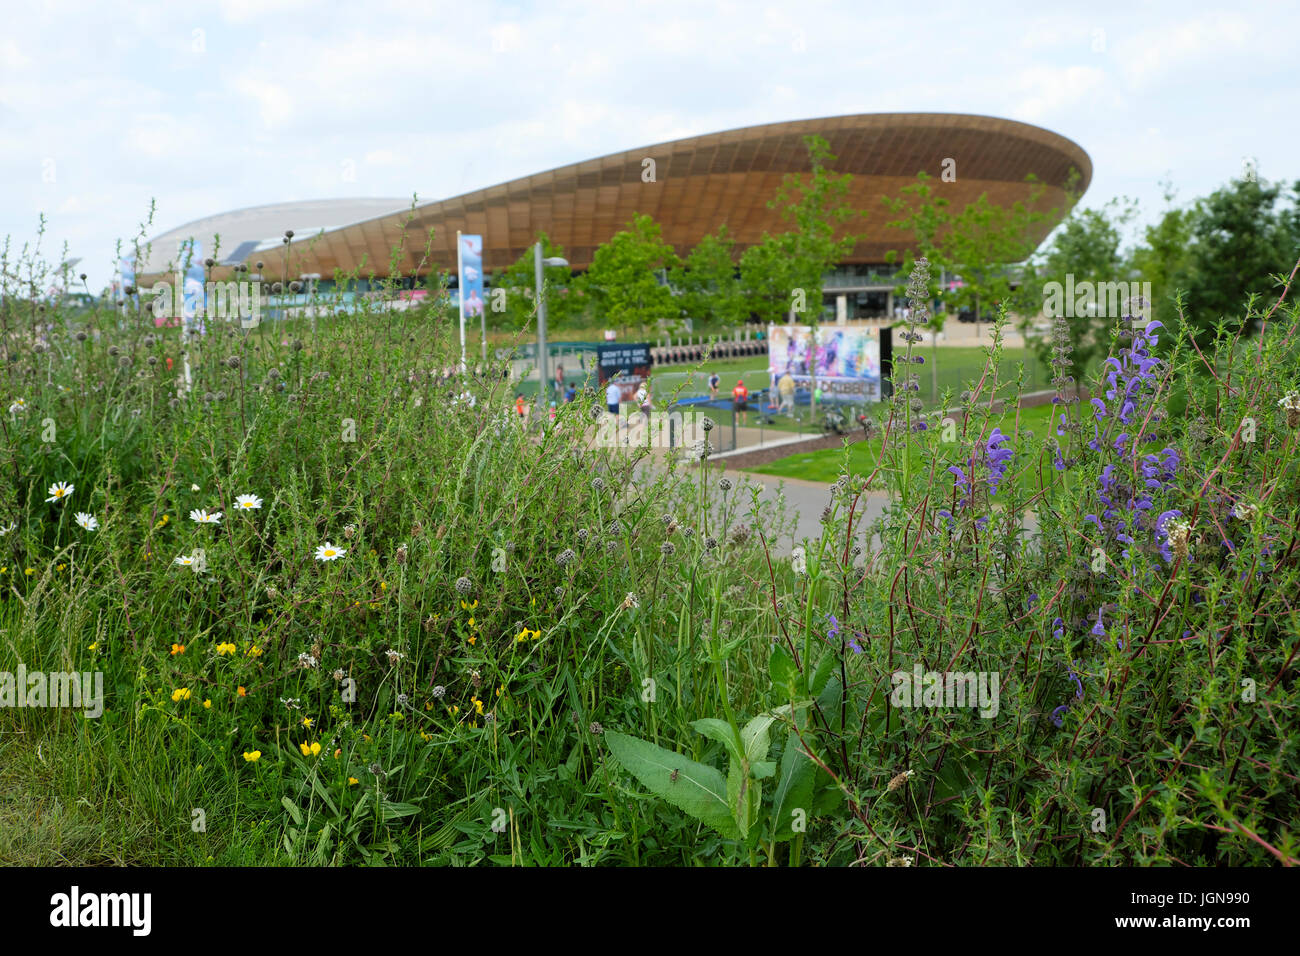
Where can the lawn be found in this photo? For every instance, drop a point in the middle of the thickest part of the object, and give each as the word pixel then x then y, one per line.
pixel 863 456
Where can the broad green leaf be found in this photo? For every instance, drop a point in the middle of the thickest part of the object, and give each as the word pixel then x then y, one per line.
pixel 756 738
pixel 794 789
pixel 395 811
pixel 723 733
pixel 294 812
pixel 785 676
pixel 698 790
pixel 823 672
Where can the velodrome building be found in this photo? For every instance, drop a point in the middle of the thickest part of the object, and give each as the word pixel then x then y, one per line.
pixel 699 184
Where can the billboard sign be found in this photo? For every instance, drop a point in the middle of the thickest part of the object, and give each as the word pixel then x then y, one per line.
pixel 627 365
pixel 846 361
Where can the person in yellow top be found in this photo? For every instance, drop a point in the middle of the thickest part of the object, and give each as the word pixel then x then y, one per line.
pixel 786 387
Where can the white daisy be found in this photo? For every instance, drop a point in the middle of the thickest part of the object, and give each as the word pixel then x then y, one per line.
pixel 248 502
pixel 19 405
pixel 87 521
pixel 5 531
pixel 201 516
pixel 194 487
pixel 59 490
pixel 185 560
pixel 329 552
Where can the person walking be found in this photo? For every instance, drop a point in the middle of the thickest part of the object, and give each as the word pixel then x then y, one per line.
pixel 786 388
pixel 740 398
pixel 714 382
pixel 613 395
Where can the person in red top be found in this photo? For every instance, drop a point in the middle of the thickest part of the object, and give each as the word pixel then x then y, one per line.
pixel 740 396
pixel 520 408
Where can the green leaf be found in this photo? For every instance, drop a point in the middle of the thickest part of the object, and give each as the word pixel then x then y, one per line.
pixel 823 672
pixel 756 738
pixel 794 789
pixel 698 790
pixel 294 812
pixel 395 811
pixel 723 733
pixel 780 667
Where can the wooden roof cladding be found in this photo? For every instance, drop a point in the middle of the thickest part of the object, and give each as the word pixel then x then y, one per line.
pixel 705 181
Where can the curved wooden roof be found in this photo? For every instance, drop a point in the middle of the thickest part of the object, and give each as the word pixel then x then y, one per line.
pixel 703 182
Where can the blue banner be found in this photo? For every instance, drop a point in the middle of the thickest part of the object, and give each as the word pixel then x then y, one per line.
pixel 192 250
pixel 471 276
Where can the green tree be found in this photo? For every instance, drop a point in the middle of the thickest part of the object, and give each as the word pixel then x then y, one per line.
pixel 515 308
pixel 1086 246
pixel 786 272
pixel 708 287
pixel 1237 242
pixel 768 276
pixel 627 281
pixel 1163 255
pixel 816 206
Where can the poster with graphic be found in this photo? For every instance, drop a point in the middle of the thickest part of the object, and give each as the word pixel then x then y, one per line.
pixel 627 365
pixel 846 361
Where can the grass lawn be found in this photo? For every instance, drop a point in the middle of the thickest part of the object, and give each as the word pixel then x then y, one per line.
pixel 827 465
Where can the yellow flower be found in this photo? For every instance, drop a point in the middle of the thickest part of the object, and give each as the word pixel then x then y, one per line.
pixel 93 647
pixel 471 622
pixel 338 753
pixel 225 648
pixel 353 781
pixel 478 705
pixel 426 736
pixel 473 639
pixel 309 750
pixel 521 636
pixel 470 606
pixel 254 651
pixel 501 689
pixel 180 694
pixel 383 586
pixel 306 722
pixel 366 738
pixel 63 567
pixel 242 692
pixel 252 756
pixel 29 572
pixel 178 649
pixel 4 570
pixel 455 709
pixel 207 704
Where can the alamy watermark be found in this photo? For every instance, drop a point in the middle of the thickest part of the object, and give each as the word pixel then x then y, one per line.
pixel 947 689
pixel 240 300
pixel 70 690
pixel 1087 298
pixel 656 430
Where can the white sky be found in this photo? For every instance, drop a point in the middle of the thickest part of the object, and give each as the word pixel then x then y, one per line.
pixel 212 106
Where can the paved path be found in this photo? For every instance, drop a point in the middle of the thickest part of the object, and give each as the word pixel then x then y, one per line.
pixel 804 499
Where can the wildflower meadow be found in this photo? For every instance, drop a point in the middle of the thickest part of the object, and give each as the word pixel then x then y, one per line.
pixel 349 609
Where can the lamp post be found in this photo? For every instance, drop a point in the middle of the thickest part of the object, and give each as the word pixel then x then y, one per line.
pixel 538 263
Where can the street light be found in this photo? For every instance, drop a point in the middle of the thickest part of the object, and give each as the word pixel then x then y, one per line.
pixel 538 263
